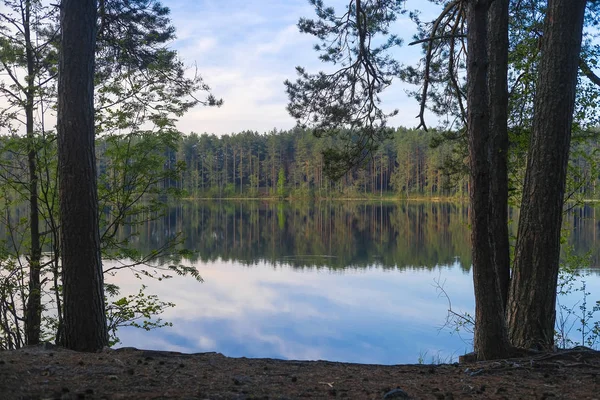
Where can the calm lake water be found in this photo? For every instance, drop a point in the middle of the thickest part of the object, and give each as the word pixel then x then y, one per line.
pixel 340 281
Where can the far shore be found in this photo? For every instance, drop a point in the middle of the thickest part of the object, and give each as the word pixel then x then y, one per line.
pixel 367 199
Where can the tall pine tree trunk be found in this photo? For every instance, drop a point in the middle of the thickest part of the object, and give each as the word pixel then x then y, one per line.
pixel 33 315
pixel 532 304
pixel 84 311
pixel 497 48
pixel 487 42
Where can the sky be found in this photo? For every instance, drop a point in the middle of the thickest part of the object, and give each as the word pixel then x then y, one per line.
pixel 246 49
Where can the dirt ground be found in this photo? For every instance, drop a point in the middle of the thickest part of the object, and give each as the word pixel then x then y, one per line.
pixel 47 372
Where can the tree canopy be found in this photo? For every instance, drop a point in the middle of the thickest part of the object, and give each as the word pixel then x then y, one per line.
pixel 494 73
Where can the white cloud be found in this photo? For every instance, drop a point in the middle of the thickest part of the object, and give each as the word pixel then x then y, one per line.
pixel 295 314
pixel 286 38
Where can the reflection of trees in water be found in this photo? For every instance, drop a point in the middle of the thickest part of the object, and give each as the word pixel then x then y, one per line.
pixel 320 234
pixel 584 225
pixel 337 234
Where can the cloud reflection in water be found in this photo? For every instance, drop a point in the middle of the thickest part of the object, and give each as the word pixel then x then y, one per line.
pixel 368 316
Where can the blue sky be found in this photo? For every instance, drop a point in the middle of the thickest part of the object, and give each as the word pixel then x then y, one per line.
pixel 245 49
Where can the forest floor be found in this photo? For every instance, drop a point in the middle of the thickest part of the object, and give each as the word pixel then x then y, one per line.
pixel 48 372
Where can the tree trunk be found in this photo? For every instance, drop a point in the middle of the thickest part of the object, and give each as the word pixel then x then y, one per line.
pixel 532 304
pixel 497 48
pixel 84 311
pixel 33 315
pixel 485 131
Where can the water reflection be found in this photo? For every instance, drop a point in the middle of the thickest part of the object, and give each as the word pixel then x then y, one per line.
pixel 331 280
pixel 323 234
pixel 368 316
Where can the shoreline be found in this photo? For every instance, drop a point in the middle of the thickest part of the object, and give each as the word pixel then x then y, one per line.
pixel 48 371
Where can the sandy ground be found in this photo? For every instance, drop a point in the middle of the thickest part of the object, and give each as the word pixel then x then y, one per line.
pixel 47 372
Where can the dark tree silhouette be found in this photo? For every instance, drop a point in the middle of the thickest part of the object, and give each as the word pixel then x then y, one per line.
pixel 532 313
pixel 85 326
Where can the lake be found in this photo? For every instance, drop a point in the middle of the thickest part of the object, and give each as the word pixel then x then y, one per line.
pixel 339 281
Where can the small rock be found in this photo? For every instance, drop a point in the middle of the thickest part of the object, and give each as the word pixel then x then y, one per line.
pixel 240 380
pixel 396 394
pixel 294 379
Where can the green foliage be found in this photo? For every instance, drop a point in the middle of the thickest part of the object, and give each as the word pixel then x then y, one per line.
pixel 281 183
pixel 141 89
pixel 290 164
pixel 137 310
pixel 13 294
pixel 346 103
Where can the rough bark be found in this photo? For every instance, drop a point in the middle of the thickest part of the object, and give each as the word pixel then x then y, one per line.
pixel 497 48
pixel 531 308
pixel 33 314
pixel 84 311
pixel 486 130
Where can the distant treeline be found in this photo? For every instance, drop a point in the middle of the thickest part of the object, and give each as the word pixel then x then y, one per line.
pixel 289 164
pixel 411 163
pixel 282 164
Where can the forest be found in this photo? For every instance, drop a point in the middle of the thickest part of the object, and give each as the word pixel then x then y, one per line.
pixel 290 164
pixel 511 83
